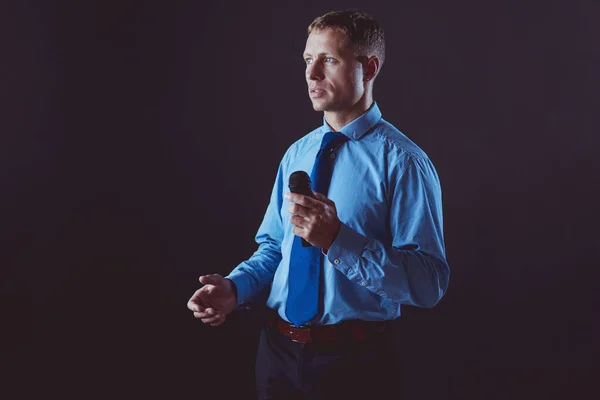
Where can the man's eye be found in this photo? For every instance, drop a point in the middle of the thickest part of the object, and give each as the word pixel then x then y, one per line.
pixel 308 60
pixel 329 59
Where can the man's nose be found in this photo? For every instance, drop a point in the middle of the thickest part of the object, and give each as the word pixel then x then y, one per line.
pixel 314 72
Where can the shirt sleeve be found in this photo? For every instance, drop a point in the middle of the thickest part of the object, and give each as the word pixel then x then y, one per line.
pixel 412 270
pixel 254 276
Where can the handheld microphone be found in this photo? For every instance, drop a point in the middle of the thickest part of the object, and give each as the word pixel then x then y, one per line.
pixel 300 183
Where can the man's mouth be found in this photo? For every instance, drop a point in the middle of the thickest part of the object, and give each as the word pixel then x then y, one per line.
pixel 314 92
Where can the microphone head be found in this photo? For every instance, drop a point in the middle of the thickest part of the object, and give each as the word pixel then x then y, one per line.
pixel 300 183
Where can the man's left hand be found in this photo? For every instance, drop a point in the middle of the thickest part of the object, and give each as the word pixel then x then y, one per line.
pixel 315 219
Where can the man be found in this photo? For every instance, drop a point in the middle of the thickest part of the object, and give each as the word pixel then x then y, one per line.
pixel 375 238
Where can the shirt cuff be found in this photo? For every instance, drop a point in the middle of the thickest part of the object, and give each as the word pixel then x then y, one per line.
pixel 346 249
pixel 242 286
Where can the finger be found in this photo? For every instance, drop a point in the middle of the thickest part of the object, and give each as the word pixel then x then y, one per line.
pixel 206 313
pixel 210 320
pixel 212 279
pixel 323 198
pixel 297 209
pixel 195 307
pixel 298 231
pixel 218 322
pixel 300 222
pixel 196 303
pixel 202 315
pixel 201 299
pixel 303 200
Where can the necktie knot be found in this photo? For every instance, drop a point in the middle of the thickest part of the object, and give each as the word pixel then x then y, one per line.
pixel 321 174
pixel 332 139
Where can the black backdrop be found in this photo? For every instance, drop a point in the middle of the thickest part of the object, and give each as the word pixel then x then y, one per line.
pixel 139 142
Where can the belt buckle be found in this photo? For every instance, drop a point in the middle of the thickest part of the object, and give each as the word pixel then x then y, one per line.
pixel 294 336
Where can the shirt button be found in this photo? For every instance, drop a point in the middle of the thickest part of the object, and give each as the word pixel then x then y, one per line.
pixel 332 155
pixel 363 283
pixel 336 261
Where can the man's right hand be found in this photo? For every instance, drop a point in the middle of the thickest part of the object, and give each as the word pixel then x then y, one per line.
pixel 213 301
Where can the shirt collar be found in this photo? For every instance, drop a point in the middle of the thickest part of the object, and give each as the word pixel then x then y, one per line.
pixel 361 125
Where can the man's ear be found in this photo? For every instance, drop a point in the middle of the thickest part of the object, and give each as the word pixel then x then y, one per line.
pixel 371 68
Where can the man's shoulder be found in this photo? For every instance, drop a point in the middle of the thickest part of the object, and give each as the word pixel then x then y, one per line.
pixel 396 140
pixel 308 138
pixel 303 143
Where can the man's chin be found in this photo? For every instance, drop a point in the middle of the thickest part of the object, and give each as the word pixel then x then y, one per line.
pixel 319 105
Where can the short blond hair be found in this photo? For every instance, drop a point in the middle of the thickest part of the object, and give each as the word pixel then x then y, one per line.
pixel 361 30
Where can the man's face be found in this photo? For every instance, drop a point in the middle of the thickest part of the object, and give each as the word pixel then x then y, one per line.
pixel 333 73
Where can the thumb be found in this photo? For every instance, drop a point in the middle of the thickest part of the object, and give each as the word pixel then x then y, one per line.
pixel 323 198
pixel 212 279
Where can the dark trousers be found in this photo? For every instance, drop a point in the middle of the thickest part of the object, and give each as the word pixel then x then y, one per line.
pixel 368 369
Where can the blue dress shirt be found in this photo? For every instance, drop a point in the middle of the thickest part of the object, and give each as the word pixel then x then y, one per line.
pixel 390 248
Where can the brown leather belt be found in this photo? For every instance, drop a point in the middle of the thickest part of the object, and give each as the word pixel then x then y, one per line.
pixel 347 331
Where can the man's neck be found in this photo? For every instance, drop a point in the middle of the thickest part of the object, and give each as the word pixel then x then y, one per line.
pixel 337 120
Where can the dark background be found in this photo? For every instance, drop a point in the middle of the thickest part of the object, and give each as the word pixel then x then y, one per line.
pixel 139 141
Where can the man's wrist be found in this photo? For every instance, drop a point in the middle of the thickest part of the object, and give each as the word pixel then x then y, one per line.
pixel 326 249
pixel 233 288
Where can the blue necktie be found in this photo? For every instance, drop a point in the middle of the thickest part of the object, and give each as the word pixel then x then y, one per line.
pixel 305 262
